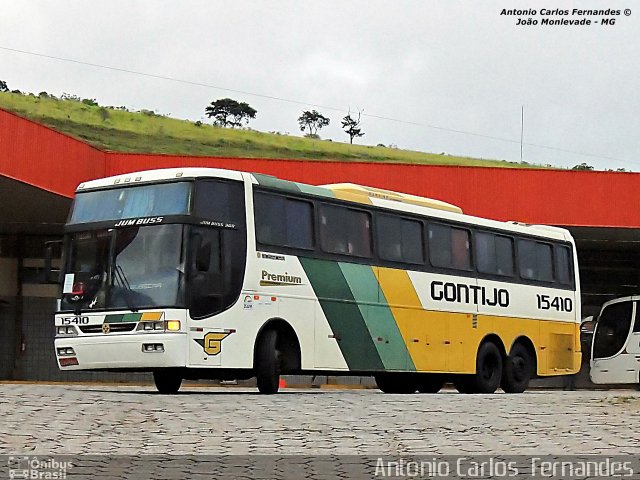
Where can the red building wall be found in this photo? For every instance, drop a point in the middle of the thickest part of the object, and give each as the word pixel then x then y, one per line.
pixel 40 156
pixel 557 197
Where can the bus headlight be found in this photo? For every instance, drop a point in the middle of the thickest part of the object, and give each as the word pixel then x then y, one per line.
pixel 66 352
pixel 173 325
pixel 160 326
pixel 66 330
pixel 148 326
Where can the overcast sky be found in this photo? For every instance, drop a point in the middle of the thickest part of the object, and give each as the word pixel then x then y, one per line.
pixel 454 64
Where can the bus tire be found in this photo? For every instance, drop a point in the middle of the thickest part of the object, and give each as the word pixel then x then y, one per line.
pixel 167 381
pixel 488 369
pixel 396 383
pixel 268 363
pixel 430 383
pixel 517 370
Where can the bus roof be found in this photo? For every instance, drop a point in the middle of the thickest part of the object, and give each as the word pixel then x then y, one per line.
pixel 159 175
pixel 343 191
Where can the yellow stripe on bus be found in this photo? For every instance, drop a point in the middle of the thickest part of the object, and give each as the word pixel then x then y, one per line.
pixel 352 197
pixel 418 327
pixel 448 342
pixel 146 316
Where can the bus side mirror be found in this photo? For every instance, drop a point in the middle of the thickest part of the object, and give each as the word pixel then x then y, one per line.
pixel 52 249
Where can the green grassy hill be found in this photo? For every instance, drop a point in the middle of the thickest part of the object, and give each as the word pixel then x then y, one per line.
pixel 117 129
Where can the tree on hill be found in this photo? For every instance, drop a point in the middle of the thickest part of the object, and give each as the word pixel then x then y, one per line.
pixel 229 113
pixel 312 121
pixel 582 166
pixel 3 86
pixel 351 126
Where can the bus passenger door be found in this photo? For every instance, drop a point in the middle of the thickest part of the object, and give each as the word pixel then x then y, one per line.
pixel 208 275
pixel 633 344
pixel 612 362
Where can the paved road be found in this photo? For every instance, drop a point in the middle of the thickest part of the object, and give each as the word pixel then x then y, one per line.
pixel 46 419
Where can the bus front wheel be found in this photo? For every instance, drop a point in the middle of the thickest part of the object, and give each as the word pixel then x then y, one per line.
pixel 517 370
pixel 268 363
pixel 167 381
pixel 488 369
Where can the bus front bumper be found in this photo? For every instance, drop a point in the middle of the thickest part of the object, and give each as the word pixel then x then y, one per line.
pixel 139 351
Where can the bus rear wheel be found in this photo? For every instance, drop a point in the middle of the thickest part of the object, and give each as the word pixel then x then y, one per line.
pixel 167 381
pixel 488 369
pixel 267 365
pixel 396 383
pixel 517 370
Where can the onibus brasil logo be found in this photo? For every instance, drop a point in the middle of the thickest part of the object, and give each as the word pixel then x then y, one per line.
pixel 26 467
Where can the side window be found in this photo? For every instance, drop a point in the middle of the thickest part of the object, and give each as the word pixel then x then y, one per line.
pixel 283 221
pixel 612 330
pixel 636 325
pixel 399 239
pixel 449 247
pixel 494 254
pixel 345 231
pixel 439 245
pixel 299 224
pixel 563 265
pixel 219 200
pixel 504 256
pixel 535 260
pixel 270 220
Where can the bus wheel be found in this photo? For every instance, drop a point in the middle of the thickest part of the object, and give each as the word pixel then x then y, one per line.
pixel 463 383
pixel 167 381
pixel 517 370
pixel 488 369
pixel 396 383
pixel 430 383
pixel 268 363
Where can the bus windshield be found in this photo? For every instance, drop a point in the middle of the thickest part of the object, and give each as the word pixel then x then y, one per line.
pixel 131 202
pixel 612 330
pixel 126 268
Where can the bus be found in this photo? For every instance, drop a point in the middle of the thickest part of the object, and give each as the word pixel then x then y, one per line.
pixel 615 356
pixel 202 273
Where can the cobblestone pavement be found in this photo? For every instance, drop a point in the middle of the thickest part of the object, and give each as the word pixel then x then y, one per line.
pixel 72 419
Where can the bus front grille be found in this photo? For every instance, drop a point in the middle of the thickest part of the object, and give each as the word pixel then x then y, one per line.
pixel 113 328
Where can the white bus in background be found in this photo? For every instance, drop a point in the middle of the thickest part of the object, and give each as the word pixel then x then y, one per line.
pixel 615 354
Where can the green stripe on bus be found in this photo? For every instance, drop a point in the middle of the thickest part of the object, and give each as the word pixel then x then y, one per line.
pixel 343 314
pixel 377 316
pixel 273 182
pixel 313 190
pixel 123 318
pixel 286 185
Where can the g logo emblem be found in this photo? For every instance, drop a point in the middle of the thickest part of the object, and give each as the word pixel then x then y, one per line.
pixel 106 328
pixel 213 342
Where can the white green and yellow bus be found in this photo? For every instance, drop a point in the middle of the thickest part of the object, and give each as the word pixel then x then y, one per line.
pixel 198 273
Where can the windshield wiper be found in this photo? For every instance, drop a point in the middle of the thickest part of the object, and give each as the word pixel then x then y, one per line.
pixel 121 278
